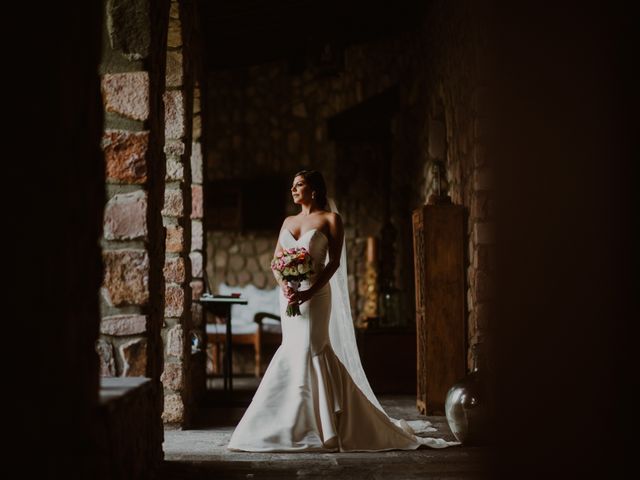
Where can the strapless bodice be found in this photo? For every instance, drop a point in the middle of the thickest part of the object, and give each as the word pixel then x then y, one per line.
pixel 314 240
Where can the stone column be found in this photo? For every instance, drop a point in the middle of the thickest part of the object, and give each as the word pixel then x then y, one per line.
pixel 177 212
pixel 132 293
pixel 459 148
pixel 481 271
pixel 198 252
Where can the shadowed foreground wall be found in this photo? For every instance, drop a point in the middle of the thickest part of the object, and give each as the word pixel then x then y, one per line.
pixel 562 142
pixel 59 177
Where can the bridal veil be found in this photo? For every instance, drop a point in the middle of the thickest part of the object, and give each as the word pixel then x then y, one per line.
pixel 343 339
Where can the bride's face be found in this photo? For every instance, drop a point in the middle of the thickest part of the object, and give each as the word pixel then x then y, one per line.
pixel 301 191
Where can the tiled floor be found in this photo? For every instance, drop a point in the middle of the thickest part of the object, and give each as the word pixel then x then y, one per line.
pixel 201 453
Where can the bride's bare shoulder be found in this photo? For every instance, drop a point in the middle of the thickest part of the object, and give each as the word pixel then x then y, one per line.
pixel 333 218
pixel 334 223
pixel 287 221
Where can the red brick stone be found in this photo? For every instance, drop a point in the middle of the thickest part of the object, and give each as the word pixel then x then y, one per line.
pixel 196 127
pixel 173 409
pixel 197 235
pixel 236 263
pixel 174 69
pixel 196 100
pixel 174 114
pixel 174 35
pixel 263 245
pixel 173 301
pixel 134 356
pixel 472 325
pixel 173 203
pixel 482 179
pixel 175 239
pixel 127 94
pixel 260 280
pixel 174 148
pixel 123 325
pixel 196 201
pixel 483 233
pixel 264 260
pixel 252 265
pixel 231 279
pixel 483 316
pixel 470 297
pixel 175 341
pixel 104 350
pixel 175 170
pixel 125 156
pixel 174 10
pixel 197 289
pixel 479 206
pixel 172 377
pixel 174 270
pixel 196 264
pixel 125 216
pixel 126 277
pixel 197 169
pixel 244 278
pixel 197 315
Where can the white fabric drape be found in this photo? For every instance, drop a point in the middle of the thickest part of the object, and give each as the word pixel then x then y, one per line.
pixel 343 339
pixel 341 326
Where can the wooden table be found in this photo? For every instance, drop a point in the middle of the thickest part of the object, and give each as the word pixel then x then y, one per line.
pixel 221 306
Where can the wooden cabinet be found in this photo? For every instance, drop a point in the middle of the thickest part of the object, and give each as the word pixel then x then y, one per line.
pixel 439 246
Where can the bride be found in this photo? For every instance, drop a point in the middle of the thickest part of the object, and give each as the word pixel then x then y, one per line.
pixel 314 395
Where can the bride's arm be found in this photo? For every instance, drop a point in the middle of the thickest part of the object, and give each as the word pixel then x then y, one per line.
pixel 336 237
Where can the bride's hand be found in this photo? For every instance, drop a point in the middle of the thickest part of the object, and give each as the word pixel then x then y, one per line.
pixel 287 290
pixel 301 296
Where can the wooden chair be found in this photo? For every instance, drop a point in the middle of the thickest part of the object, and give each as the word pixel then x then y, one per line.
pixel 258 337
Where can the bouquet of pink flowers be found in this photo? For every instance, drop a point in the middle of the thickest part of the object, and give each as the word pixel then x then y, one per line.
pixel 293 265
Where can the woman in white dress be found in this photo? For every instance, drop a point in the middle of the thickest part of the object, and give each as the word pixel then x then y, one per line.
pixel 314 395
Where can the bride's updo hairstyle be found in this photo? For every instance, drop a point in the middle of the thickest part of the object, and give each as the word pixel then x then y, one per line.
pixel 316 181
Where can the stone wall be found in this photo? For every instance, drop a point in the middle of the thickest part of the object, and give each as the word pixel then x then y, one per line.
pixel 269 119
pixel 197 257
pixel 453 94
pixel 241 259
pixel 132 294
pixel 176 214
pixel 125 432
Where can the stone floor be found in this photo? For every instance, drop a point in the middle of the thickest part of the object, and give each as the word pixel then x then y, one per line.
pixel 201 453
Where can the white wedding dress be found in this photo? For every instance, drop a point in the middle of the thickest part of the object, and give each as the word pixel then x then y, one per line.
pixel 307 400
